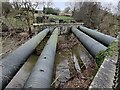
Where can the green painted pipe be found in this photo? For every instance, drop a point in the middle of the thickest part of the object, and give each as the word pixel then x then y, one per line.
pixel 12 63
pixel 102 38
pixel 93 46
pixel 41 75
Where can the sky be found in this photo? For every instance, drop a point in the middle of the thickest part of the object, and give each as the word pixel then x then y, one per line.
pixel 111 4
pixel 61 4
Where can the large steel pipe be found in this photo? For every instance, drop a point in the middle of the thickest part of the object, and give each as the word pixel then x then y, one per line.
pixel 102 38
pixel 12 63
pixel 93 46
pixel 41 75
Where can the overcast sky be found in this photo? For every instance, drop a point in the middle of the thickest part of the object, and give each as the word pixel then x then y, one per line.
pixel 61 4
pixel 111 4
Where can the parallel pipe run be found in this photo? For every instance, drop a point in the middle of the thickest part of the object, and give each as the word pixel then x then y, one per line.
pixel 41 75
pixel 102 38
pixel 93 46
pixel 12 63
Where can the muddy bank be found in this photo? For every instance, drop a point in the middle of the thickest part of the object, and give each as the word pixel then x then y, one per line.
pixel 10 44
pixel 68 74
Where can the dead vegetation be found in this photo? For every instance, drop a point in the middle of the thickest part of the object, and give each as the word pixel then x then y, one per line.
pixel 81 79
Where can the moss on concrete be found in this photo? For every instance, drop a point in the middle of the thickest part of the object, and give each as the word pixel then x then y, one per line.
pixel 109 52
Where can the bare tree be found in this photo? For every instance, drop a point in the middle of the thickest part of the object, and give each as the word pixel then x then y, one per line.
pixel 27 9
pixel 87 12
pixel 67 9
pixel 6 7
pixel 46 4
pixel 119 14
pixel 73 6
pixel 118 8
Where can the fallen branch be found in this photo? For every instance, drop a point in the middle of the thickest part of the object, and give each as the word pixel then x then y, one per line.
pixel 56 79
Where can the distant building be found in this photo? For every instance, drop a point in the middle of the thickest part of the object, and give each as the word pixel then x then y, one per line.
pixel 62 13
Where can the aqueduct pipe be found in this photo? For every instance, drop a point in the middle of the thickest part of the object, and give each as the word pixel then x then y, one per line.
pixel 93 46
pixel 41 75
pixel 102 38
pixel 12 63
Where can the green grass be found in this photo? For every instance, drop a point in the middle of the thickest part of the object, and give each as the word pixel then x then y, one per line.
pixel 61 17
pixel 112 48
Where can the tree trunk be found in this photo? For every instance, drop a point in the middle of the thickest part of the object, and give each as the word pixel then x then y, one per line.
pixel 33 16
pixel 30 30
pixel 28 22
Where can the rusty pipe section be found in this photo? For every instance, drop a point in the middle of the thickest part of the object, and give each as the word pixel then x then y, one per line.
pixel 93 46
pixel 12 63
pixel 41 75
pixel 102 38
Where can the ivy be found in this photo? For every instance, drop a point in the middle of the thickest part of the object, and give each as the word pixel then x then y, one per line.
pixel 109 52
